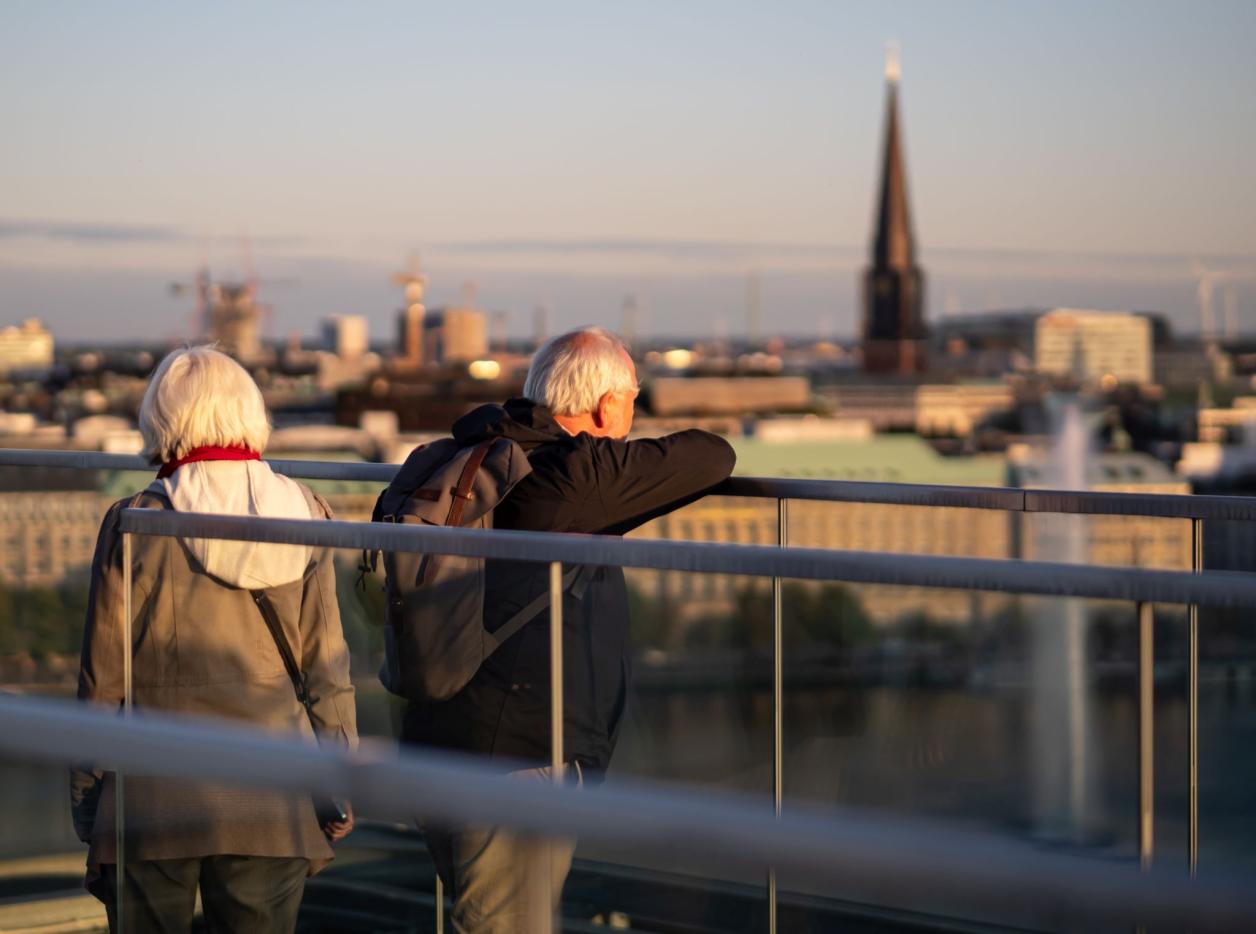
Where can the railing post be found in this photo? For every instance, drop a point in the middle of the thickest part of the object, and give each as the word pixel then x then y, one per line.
pixel 1146 723
pixel 128 701
pixel 543 919
pixel 440 906
pixel 778 695
pixel 1192 704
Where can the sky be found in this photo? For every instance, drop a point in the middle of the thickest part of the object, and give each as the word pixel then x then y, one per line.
pixel 569 154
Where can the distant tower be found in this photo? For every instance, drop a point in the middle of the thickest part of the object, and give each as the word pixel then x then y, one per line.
pixel 753 310
pixel 893 288
pixel 411 317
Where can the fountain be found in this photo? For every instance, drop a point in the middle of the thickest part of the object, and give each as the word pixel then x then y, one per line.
pixel 1063 766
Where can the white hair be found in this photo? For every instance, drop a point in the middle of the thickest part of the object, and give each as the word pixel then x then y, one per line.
pixel 199 397
pixel 571 373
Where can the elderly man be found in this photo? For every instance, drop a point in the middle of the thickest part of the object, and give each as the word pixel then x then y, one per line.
pixel 577 411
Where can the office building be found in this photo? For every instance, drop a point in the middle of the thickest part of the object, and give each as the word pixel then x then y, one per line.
pixel 455 335
pixel 1106 347
pixel 346 336
pixel 24 348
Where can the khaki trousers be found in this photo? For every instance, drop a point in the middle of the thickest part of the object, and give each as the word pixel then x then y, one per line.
pixel 254 894
pixel 501 882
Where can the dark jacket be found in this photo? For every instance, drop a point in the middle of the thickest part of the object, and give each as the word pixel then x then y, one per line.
pixel 577 484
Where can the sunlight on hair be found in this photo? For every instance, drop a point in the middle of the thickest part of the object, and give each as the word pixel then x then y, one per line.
pixel 199 396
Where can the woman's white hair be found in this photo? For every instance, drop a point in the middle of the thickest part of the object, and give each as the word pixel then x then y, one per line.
pixel 571 373
pixel 200 397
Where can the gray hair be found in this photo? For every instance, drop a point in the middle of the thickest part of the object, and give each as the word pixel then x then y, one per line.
pixel 199 396
pixel 571 373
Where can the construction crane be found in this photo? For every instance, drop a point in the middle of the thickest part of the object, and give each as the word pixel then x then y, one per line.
pixel 227 312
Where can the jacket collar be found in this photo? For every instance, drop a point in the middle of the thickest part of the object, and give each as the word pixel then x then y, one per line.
pixel 520 420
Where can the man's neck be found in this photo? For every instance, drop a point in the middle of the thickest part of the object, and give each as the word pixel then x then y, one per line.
pixel 575 424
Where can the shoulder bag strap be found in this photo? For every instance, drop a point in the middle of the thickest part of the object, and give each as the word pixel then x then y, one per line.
pixel 295 674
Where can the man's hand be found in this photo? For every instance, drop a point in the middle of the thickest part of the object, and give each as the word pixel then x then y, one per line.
pixel 338 830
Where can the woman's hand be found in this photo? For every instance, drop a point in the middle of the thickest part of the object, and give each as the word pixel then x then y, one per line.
pixel 338 830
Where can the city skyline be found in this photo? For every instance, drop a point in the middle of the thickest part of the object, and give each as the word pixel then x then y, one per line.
pixel 1059 155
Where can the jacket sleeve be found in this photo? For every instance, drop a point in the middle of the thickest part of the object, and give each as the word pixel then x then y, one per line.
pixel 100 664
pixel 325 654
pixel 640 480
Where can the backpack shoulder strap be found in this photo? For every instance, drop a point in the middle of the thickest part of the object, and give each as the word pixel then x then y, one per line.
pixel 528 613
pixel 466 480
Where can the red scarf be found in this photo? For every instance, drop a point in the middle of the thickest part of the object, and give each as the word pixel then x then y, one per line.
pixel 207 453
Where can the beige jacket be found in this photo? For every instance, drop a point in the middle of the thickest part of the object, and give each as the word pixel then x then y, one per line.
pixel 201 647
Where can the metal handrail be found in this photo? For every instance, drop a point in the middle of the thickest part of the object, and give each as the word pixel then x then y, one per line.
pixel 846 853
pixel 1123 582
pixel 1046 578
pixel 1010 499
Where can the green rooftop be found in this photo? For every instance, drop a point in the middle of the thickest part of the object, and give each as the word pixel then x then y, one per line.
pixel 882 458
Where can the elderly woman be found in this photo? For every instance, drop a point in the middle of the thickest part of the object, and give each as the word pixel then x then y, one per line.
pixel 202 645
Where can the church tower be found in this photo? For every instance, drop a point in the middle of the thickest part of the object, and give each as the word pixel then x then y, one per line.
pixel 893 286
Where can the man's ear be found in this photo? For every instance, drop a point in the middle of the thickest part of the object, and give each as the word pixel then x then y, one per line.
pixel 602 411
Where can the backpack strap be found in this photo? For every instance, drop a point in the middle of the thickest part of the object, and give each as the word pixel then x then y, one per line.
pixel 466 480
pixel 529 612
pixel 462 494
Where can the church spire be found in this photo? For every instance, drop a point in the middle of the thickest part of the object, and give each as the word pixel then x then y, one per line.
pixel 892 240
pixel 893 326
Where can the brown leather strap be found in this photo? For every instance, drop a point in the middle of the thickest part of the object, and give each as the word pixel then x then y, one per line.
pixel 462 492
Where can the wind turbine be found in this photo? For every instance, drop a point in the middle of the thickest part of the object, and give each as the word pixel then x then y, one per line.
pixel 1231 312
pixel 1203 295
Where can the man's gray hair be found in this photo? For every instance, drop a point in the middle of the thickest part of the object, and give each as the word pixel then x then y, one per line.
pixel 572 372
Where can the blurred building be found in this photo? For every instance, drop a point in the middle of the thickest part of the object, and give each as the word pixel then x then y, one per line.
pixel 455 335
pixel 954 410
pixel 977 533
pixel 1094 346
pixel 48 525
pixel 346 336
pixel 1187 365
pixel 26 347
pixel 728 395
pixel 893 286
pixel 233 318
pixel 410 335
pixel 854 526
pixel 1235 425
pixel 888 405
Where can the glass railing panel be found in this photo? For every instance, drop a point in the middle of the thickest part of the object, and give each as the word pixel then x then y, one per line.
pixel 970 533
pixel 1227 707
pixel 48 525
pixel 1122 541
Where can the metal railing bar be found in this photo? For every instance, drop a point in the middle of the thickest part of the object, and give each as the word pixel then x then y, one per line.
pixel 1147 505
pixel 1011 499
pixel 1044 578
pixel 847 853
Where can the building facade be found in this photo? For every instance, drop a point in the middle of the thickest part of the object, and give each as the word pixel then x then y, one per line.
pixel 1094 346
pixel 25 347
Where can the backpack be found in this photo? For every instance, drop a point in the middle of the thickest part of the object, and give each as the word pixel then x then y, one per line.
pixel 434 635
